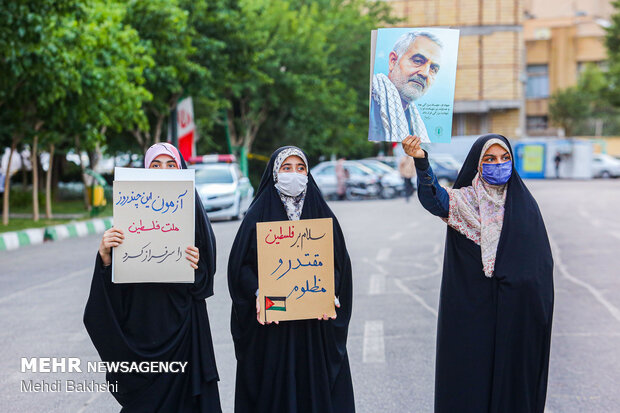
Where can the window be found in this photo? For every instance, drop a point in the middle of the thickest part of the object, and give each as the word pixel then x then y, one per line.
pixel 537 123
pixel 537 81
pixel 470 124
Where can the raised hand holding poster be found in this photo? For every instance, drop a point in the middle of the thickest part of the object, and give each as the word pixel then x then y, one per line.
pixel 412 86
pixel 155 211
pixel 295 269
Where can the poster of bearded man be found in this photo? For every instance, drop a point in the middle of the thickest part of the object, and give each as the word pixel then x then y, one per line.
pixel 413 72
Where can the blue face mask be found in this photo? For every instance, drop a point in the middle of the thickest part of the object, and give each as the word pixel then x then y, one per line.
pixel 497 173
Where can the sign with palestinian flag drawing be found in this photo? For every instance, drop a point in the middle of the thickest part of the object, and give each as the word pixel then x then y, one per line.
pixel 295 269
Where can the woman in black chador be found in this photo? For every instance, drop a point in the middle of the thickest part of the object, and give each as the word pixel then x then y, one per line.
pixel 160 322
pixel 294 366
pixel 496 299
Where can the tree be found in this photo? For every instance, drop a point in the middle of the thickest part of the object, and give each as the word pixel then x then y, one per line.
pixel 36 70
pixel 165 34
pixel 304 77
pixel 216 37
pixel 612 41
pixel 568 108
pixel 288 83
pixel 110 94
pixel 350 24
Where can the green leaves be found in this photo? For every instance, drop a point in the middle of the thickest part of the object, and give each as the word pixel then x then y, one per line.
pixel 306 64
pixel 284 71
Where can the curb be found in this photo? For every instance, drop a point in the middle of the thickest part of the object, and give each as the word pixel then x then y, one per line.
pixel 16 239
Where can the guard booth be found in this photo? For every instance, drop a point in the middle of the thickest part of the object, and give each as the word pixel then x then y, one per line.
pixel 535 158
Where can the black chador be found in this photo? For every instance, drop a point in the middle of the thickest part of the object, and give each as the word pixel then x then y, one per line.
pixel 494 333
pixel 296 366
pixel 159 322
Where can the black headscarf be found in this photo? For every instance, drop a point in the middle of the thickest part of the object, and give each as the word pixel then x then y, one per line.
pixel 296 366
pixel 494 334
pixel 159 322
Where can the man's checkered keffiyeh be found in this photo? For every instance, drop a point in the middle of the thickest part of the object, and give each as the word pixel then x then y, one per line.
pixel 393 116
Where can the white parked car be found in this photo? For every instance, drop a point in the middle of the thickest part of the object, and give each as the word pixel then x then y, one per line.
pixel 605 166
pixel 224 191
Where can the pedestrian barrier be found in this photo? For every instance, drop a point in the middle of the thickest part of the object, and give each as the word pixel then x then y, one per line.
pixel 16 239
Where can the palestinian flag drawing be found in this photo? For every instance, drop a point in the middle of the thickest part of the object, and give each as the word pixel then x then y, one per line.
pixel 275 303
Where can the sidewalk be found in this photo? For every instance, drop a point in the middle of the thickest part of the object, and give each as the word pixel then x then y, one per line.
pixel 16 239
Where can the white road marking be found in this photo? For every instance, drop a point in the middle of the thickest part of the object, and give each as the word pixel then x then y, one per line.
pixel 377 284
pixel 588 217
pixel 383 254
pixel 19 293
pixel 615 234
pixel 378 267
pixel 416 297
pixel 374 345
pixel 597 294
pixel 396 236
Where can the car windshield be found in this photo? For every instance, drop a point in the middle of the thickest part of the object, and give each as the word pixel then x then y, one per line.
pixel 214 175
pixel 377 167
pixel 357 170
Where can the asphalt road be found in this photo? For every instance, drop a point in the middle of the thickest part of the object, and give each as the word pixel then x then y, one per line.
pixel 397 252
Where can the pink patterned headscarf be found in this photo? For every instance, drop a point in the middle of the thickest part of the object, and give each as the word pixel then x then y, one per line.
pixel 162 148
pixel 477 211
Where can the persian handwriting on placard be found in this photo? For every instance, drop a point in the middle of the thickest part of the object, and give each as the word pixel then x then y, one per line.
pixel 157 204
pixel 434 109
pixel 276 238
pixel 297 265
pixel 307 289
pixel 305 235
pixel 147 254
pixel 137 229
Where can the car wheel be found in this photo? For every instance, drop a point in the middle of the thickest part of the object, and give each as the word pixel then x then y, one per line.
pixel 605 175
pixel 239 214
pixel 350 195
pixel 388 192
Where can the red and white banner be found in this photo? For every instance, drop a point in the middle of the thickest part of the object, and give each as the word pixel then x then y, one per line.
pixel 186 128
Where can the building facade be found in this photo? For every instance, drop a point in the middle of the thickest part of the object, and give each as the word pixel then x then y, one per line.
pixel 558 50
pixel 489 82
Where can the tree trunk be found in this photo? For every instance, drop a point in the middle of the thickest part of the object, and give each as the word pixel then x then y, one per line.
pixel 7 184
pixel 48 184
pixel 87 204
pixel 158 126
pixel 35 178
pixel 232 131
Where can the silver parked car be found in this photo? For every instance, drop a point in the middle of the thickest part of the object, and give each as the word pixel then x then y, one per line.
pixel 224 191
pixel 392 184
pixel 605 166
pixel 362 182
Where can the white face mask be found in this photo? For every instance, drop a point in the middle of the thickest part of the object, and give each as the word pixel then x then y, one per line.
pixel 291 183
